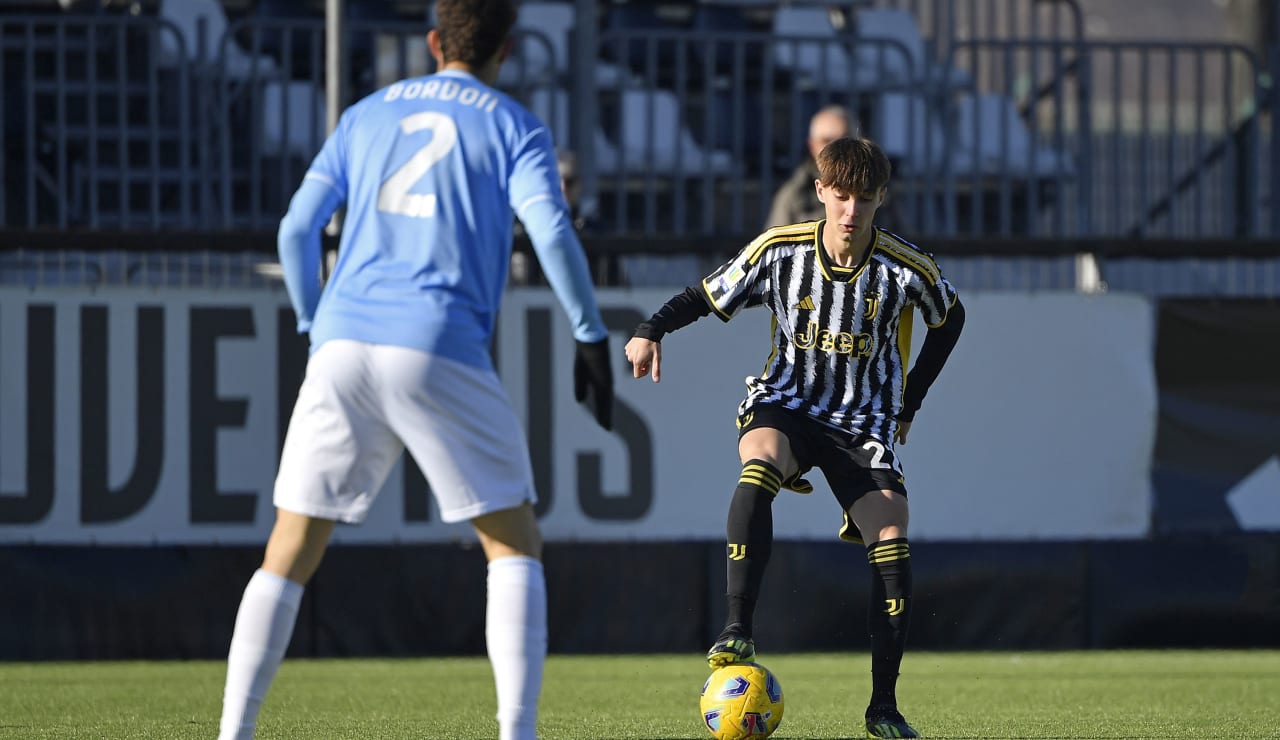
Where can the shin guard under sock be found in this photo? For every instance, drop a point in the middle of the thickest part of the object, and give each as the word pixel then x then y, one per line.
pixel 888 614
pixel 750 539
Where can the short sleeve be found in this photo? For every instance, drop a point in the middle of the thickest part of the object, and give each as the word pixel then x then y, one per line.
pixel 738 283
pixel 934 295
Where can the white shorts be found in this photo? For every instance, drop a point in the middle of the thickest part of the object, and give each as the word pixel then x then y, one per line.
pixel 361 405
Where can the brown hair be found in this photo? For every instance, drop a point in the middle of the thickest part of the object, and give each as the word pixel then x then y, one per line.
pixel 473 31
pixel 853 165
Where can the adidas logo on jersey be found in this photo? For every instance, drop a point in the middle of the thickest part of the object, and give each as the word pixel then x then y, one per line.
pixel 806 304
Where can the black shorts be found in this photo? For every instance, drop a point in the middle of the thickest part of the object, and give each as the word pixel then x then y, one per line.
pixel 853 465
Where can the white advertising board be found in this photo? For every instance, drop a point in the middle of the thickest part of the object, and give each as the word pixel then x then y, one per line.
pixel 154 416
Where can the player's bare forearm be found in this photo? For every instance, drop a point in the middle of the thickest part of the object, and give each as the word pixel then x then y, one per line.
pixel 645 356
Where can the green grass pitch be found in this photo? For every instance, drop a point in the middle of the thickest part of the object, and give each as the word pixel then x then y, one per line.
pixel 1105 694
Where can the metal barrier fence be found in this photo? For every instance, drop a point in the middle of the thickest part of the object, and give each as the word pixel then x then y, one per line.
pixel 1225 277
pixel 99 129
pixel 1001 119
pixel 1139 139
pixel 945 23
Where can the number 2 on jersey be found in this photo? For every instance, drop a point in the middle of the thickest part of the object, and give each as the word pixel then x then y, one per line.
pixel 394 195
pixel 877 455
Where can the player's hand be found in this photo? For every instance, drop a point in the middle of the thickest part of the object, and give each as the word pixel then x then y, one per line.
pixel 592 371
pixel 904 428
pixel 645 356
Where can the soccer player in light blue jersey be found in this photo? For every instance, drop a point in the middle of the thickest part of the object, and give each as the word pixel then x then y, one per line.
pixel 430 171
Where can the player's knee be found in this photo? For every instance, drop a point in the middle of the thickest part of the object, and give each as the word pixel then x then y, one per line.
pixel 296 545
pixel 509 532
pixel 294 560
pixel 885 534
pixel 761 474
pixel 769 446
pixel 880 515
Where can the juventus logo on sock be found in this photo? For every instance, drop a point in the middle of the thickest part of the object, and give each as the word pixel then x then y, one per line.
pixel 737 552
pixel 894 607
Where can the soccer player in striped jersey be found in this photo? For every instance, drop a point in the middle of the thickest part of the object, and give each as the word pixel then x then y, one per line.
pixel 835 393
pixel 431 170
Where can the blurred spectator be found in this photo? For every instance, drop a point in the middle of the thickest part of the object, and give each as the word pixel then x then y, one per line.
pixel 604 268
pixel 796 200
pixel 571 186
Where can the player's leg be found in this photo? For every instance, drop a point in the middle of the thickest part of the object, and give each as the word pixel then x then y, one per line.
pixel 882 516
pixel 336 456
pixel 470 445
pixel 265 620
pixel 509 533
pixel 296 545
pixel 767 460
pixel 515 615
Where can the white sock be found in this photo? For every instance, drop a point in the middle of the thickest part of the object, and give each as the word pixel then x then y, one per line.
pixel 264 626
pixel 516 634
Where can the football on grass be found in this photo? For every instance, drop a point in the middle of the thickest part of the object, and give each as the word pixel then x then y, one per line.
pixel 741 700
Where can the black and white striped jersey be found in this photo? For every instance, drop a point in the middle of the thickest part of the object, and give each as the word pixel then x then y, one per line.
pixel 841 336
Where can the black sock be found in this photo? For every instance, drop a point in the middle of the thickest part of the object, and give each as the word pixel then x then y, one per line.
pixel 888 615
pixel 750 535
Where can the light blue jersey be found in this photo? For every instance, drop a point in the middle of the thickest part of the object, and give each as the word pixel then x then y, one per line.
pixel 431 170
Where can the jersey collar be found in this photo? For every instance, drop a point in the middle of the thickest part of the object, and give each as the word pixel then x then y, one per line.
pixel 455 73
pixel 836 273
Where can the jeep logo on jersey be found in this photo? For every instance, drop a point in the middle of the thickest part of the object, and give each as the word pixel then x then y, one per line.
pixel 840 342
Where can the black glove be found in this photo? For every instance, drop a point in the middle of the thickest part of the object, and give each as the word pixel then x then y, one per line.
pixel 593 369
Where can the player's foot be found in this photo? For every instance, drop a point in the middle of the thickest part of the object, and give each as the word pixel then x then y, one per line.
pixel 732 646
pixel 884 720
